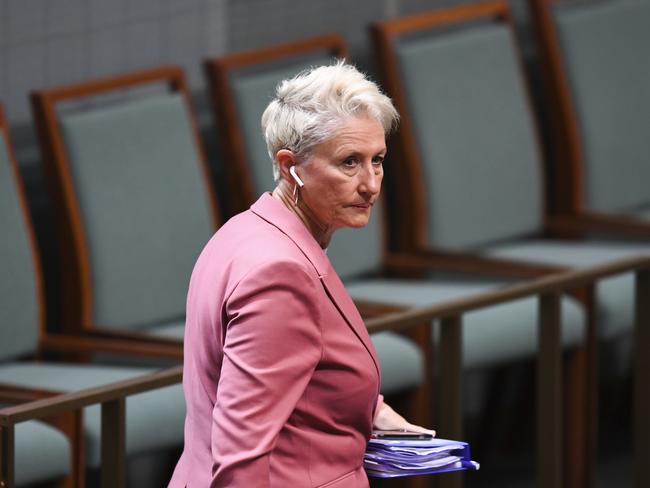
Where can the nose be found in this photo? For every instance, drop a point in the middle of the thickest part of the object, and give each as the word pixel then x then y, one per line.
pixel 370 179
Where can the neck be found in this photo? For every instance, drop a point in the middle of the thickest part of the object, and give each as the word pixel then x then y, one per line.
pixel 322 233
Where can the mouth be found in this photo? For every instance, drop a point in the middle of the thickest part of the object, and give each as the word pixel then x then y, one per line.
pixel 363 205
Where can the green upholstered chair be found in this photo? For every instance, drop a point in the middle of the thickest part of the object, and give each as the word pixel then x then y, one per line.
pixel 596 78
pixel 42 452
pixel 154 419
pixel 133 198
pixel 242 85
pixel 472 175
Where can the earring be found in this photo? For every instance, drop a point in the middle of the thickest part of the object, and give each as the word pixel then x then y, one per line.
pixel 295 194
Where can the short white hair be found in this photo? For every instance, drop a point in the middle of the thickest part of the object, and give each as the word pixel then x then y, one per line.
pixel 308 108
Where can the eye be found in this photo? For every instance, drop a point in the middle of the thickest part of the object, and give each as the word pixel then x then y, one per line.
pixel 378 160
pixel 350 163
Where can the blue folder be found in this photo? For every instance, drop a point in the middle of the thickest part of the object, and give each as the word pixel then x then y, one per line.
pixel 386 458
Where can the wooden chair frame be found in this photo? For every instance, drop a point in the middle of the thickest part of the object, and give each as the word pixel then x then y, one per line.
pixel 68 343
pixel 410 228
pixel 566 148
pixel 70 423
pixel 112 398
pixel 77 285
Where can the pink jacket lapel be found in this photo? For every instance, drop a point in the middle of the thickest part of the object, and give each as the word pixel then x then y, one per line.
pixel 278 215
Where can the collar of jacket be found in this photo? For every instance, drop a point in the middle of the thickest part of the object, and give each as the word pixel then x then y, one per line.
pixel 275 213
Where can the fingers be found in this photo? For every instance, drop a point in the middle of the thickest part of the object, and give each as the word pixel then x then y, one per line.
pixel 389 419
pixel 420 429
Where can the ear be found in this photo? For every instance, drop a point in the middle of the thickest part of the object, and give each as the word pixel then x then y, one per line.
pixel 286 159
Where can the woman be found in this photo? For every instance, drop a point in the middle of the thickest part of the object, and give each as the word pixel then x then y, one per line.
pixel 281 379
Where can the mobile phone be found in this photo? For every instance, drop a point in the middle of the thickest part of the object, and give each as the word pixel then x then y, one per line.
pixel 400 435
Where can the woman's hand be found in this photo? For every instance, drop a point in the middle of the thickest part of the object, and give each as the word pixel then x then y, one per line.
pixel 388 419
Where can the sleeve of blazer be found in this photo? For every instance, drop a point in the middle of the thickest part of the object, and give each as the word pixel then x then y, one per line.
pixel 272 346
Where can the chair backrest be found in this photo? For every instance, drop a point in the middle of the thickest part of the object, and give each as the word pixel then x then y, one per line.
pixel 133 192
pixel 471 158
pixel 21 300
pixel 242 85
pixel 596 58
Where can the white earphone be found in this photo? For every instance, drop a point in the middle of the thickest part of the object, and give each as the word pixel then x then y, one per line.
pixel 292 170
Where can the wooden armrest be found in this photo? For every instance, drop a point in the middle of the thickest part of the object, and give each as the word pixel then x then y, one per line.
pixel 131 336
pixel 69 422
pixel 64 411
pixel 64 402
pixel 369 309
pixel 63 343
pixel 559 283
pixel 466 263
pixel 21 394
pixel 587 222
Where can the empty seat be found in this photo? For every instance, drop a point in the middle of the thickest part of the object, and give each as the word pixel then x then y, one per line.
pixel 154 419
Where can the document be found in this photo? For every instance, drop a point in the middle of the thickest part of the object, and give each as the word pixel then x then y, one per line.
pixel 386 458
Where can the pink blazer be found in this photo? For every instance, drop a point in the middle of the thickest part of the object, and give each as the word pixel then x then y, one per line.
pixel 280 377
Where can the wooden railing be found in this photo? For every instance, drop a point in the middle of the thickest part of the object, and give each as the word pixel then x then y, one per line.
pixel 549 291
pixel 112 398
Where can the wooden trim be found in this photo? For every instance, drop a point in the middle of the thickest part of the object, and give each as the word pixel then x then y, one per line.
pixel 70 423
pixel 451 360
pixel 114 443
pixel 566 144
pixel 549 392
pixel 233 146
pixel 642 380
pixel 540 150
pixel 87 344
pixel 77 286
pixel 79 399
pixel 451 387
pixel 409 231
pixel 64 411
pixel 435 18
pixel 7 456
pixel 21 394
pixel 29 228
pixel 331 42
pixel 467 263
pixel 133 336
pixel 595 223
pixel 369 309
pixel 180 85
pixel 566 280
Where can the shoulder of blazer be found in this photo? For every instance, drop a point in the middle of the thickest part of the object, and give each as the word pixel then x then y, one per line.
pixel 276 214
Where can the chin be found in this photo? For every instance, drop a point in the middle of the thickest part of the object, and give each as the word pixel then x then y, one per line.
pixel 358 223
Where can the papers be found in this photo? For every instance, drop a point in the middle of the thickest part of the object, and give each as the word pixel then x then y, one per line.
pixel 390 458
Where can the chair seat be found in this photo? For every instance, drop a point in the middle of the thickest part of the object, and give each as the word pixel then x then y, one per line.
pixel 154 420
pixel 402 362
pixel 171 330
pixel 42 453
pixel 615 295
pixel 490 336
